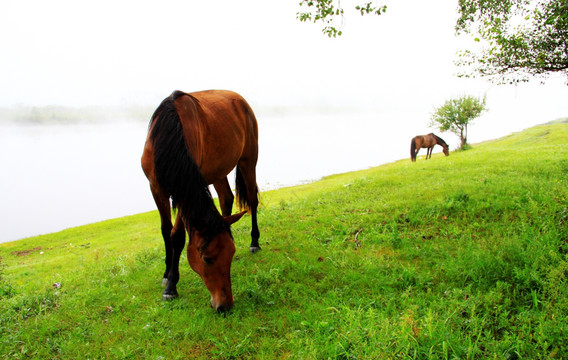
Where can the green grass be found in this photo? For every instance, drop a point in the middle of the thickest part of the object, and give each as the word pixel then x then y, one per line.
pixel 455 257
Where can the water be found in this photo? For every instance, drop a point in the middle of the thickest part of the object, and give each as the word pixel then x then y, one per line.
pixel 304 148
pixel 59 176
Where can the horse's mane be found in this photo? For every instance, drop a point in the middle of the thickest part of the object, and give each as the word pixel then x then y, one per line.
pixel 178 174
pixel 440 139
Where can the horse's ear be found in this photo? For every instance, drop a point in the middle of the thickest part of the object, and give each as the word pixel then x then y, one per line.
pixel 230 220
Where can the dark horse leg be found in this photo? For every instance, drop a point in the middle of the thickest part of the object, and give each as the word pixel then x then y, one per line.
pixel 174 242
pixel 177 243
pixel 163 204
pixel 429 152
pixel 248 173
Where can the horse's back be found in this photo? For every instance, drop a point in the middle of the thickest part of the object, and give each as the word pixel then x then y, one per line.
pixel 216 95
pixel 222 103
pixel 222 108
pixel 418 140
pixel 424 141
pixel 220 129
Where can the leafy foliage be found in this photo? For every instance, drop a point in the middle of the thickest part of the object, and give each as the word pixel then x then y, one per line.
pixel 456 114
pixel 328 11
pixel 517 39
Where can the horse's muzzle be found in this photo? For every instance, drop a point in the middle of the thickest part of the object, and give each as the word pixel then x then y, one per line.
pixel 221 307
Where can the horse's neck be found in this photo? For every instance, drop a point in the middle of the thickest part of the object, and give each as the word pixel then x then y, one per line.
pixel 439 141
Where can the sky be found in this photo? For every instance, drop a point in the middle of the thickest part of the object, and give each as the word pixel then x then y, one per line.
pixel 76 53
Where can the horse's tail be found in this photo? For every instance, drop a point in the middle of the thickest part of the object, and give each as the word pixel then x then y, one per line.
pixel 413 149
pixel 241 190
pixel 176 171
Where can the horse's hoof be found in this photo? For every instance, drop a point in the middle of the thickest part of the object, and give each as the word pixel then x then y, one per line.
pixel 168 297
pixel 254 249
pixel 164 282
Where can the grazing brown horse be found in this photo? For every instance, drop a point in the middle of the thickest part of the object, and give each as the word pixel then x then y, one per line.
pixel 196 139
pixel 427 141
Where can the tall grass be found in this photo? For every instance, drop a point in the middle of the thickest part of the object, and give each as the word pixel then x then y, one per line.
pixel 457 257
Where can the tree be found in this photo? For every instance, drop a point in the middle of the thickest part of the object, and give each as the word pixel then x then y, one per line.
pixel 456 114
pixel 327 11
pixel 515 40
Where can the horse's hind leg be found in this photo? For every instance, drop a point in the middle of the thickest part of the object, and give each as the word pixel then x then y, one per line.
pixel 226 196
pixel 255 233
pixel 248 173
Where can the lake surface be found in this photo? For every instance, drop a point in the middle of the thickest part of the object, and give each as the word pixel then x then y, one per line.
pixel 59 176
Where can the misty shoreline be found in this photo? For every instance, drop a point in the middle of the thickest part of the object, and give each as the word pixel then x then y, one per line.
pixel 73 115
pixel 63 115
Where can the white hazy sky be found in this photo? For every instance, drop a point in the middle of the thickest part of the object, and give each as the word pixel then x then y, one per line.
pixel 136 52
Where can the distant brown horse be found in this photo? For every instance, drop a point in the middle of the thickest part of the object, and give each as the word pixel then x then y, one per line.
pixel 194 140
pixel 427 141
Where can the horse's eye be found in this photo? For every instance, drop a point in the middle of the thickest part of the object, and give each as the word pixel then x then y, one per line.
pixel 208 260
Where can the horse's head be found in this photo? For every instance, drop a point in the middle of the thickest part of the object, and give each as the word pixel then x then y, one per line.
pixel 213 263
pixel 446 150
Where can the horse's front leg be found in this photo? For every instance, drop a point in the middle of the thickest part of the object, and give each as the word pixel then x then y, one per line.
pixel 177 243
pixel 163 204
pixel 226 197
pixel 166 235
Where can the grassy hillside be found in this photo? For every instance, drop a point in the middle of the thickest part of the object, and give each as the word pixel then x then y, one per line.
pixel 455 257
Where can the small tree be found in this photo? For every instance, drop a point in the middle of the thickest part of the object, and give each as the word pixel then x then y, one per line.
pixel 456 114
